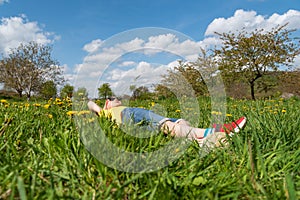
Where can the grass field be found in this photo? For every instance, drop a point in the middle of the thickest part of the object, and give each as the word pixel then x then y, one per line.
pixel 43 157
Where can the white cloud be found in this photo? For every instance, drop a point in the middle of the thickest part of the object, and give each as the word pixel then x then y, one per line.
pixel 292 17
pixel 131 45
pixel 161 41
pixel 3 1
pixel 16 30
pixel 93 46
pixel 297 62
pixel 127 63
pixel 144 74
pixel 250 20
pixel 188 49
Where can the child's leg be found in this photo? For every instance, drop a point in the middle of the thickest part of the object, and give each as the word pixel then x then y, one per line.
pixel 183 122
pixel 180 130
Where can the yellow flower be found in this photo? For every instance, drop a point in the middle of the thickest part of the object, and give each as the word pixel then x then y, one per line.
pixel 91 120
pixel 283 111
pixel 3 101
pixel 216 113
pixel 71 112
pixel 152 103
pixel 68 100
pixel 37 105
pixel 228 115
pixel 59 103
pixel 46 106
pixel 83 112
pixel 178 111
pixel 50 116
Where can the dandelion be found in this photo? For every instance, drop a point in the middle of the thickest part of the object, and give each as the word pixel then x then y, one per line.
pixel 245 107
pixel 3 101
pixel 71 113
pixel 216 113
pixel 283 110
pixel 46 106
pixel 50 116
pixel 59 103
pixel 91 120
pixel 178 111
pixel 68 100
pixel 228 115
pixel 152 103
pixel 83 112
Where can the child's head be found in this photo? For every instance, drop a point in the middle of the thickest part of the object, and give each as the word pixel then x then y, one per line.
pixel 112 102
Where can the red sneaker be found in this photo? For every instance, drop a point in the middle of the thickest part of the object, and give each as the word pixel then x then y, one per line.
pixel 233 127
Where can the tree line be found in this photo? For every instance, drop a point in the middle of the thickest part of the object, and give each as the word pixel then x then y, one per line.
pixel 248 62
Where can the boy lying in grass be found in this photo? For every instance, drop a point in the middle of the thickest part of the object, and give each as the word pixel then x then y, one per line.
pixel 212 136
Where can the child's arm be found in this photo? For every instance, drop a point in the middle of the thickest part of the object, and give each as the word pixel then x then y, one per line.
pixel 94 107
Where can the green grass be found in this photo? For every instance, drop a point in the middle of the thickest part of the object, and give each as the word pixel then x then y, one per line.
pixel 43 157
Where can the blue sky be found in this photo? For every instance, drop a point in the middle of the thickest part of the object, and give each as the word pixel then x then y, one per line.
pixel 75 27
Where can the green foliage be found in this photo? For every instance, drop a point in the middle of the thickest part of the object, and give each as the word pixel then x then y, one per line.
pixel 185 76
pixel 67 91
pixel 141 93
pixel 43 157
pixel 250 56
pixel 48 90
pixel 27 67
pixel 81 93
pixel 104 91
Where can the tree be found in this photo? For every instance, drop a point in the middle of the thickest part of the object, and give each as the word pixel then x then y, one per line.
pixel 249 56
pixel 105 91
pixel 132 88
pixel 67 91
pixel 141 92
pixel 28 66
pixel 48 90
pixel 191 75
pixel 81 93
pixel 163 92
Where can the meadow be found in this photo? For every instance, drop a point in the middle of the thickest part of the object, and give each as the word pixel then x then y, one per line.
pixel 43 157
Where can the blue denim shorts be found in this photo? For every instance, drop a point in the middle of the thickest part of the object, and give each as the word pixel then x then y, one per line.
pixel 144 117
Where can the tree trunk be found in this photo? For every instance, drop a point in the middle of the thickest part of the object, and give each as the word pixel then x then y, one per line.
pixel 28 96
pixel 252 90
pixel 20 93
